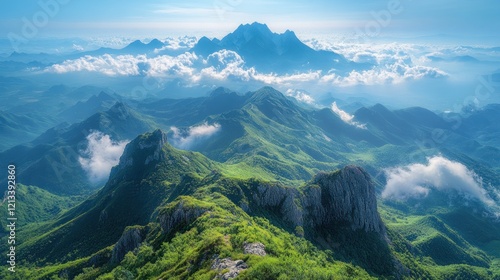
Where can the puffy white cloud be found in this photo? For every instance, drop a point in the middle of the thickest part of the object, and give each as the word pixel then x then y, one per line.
pixel 346 117
pixel 181 66
pixel 418 180
pixel 187 138
pixel 100 156
pixel 224 65
pixel 178 43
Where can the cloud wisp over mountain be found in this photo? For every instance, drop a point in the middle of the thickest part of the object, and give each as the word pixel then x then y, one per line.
pixel 438 174
pixel 187 138
pixel 100 156
pixel 346 117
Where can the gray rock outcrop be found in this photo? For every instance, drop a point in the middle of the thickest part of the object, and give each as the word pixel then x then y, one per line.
pixel 348 196
pixel 256 248
pixel 129 241
pixel 178 216
pixel 343 197
pixel 234 267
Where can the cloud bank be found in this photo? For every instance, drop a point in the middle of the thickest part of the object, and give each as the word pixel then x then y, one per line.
pixel 346 117
pixel 100 156
pixel 186 139
pixel 392 64
pixel 441 174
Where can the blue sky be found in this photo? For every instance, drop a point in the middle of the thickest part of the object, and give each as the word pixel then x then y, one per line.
pixel 462 18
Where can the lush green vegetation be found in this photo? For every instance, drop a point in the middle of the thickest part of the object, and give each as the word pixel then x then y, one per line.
pixel 35 205
pixel 265 141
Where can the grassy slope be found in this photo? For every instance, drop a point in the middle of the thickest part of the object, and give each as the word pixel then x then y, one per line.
pixel 35 205
pixel 441 249
pixel 219 232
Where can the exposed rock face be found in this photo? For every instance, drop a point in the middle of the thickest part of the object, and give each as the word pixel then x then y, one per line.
pixel 235 268
pixel 254 249
pixel 344 196
pixel 143 150
pixel 129 241
pixel 282 198
pixel 179 216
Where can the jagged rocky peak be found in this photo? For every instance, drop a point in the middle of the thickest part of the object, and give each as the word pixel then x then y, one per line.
pixel 143 150
pixel 348 196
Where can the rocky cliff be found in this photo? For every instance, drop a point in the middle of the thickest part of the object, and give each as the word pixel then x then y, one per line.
pixel 346 197
pixel 129 241
pixel 142 151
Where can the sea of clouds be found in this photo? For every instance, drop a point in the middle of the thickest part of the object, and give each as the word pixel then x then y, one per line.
pixel 402 74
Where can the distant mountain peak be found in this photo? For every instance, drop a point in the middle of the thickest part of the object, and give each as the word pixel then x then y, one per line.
pixel 139 46
pixel 220 91
pixel 272 52
pixel 155 43
pixel 136 43
pixel 263 28
pixel 266 93
pixel 119 107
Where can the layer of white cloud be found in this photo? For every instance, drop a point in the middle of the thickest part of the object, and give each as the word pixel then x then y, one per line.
pixel 123 65
pixel 192 136
pixel 441 174
pixel 346 117
pixel 392 64
pixel 100 156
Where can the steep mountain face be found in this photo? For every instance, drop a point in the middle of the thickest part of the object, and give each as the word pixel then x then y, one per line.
pixel 148 173
pixel 51 161
pixel 271 52
pixel 347 196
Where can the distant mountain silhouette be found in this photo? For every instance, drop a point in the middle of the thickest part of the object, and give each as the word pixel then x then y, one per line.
pixel 272 52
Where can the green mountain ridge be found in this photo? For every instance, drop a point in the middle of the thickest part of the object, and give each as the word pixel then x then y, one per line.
pixel 51 160
pixel 168 213
pixel 183 200
pixel 151 173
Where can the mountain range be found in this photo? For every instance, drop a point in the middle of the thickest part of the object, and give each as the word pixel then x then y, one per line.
pixel 272 52
pixel 260 48
pixel 130 178
pixel 270 171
